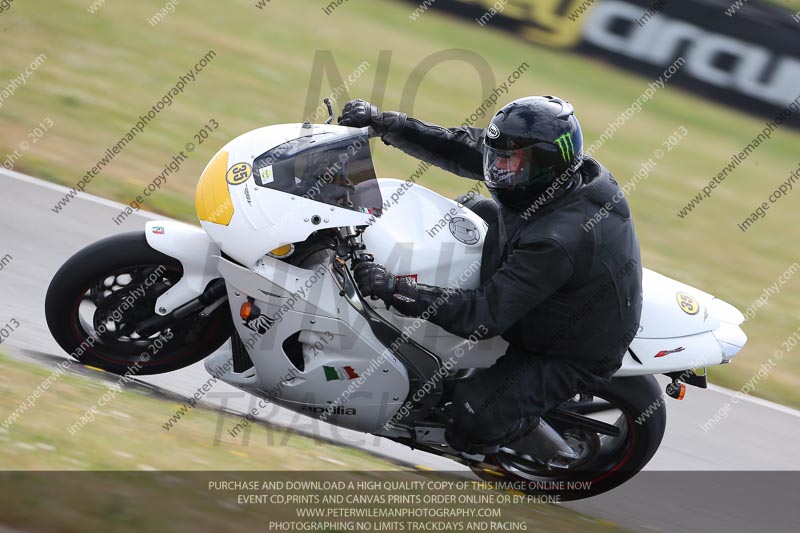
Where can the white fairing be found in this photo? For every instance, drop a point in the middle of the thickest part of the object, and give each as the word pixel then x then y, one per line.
pixel 674 338
pixel 265 219
pixel 663 318
pixel 337 360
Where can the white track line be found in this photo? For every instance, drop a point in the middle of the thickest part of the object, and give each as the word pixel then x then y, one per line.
pixel 758 401
pixel 82 195
pixel 152 216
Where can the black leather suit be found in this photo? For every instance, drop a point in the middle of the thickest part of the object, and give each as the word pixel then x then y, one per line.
pixel 566 293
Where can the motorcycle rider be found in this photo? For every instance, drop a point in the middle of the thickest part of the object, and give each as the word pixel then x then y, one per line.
pixel 566 295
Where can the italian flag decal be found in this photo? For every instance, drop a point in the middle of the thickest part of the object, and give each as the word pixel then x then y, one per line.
pixel 333 373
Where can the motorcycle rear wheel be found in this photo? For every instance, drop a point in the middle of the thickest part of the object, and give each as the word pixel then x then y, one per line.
pixel 606 462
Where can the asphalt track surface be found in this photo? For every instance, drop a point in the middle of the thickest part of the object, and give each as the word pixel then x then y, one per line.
pixel 743 475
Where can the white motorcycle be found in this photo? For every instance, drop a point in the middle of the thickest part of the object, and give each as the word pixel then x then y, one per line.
pixel 286 211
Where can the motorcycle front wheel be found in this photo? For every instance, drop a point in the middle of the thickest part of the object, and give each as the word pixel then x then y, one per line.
pixel 101 294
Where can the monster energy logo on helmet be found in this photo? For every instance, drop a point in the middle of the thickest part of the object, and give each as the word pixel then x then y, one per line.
pixel 564 143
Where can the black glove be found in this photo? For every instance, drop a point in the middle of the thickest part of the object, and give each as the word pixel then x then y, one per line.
pixel 360 114
pixel 375 280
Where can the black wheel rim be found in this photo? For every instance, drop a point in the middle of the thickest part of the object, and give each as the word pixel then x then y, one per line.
pixel 100 311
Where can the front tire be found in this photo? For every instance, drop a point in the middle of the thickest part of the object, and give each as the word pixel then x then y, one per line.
pixel 101 292
pixel 609 462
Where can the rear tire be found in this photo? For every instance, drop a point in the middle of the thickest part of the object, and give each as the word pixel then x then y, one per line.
pixel 97 276
pixel 644 419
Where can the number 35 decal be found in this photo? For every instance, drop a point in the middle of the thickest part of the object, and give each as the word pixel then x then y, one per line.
pixel 687 304
pixel 238 173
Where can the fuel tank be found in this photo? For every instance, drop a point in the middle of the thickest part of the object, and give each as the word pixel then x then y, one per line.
pixel 427 236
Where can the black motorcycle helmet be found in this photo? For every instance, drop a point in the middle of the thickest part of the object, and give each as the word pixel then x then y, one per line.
pixel 530 143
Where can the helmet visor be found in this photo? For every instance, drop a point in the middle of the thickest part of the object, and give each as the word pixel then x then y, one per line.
pixel 506 169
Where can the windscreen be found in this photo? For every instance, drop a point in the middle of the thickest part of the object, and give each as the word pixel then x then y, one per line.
pixel 335 169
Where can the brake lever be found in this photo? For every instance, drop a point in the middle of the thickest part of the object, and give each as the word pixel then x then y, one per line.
pixel 360 256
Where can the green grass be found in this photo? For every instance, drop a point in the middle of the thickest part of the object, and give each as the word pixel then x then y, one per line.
pixel 128 432
pixel 791 5
pixel 104 70
pixel 126 442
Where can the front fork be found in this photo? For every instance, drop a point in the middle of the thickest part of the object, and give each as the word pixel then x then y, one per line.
pixel 212 297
